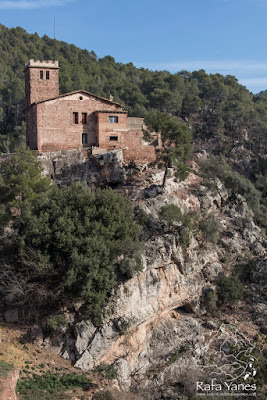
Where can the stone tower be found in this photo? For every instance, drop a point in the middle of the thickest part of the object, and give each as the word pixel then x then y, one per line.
pixel 41 81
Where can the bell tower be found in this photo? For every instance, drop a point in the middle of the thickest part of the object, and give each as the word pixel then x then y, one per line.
pixel 41 81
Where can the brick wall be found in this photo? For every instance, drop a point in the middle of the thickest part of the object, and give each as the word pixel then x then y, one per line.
pixel 40 89
pixel 31 128
pixel 135 150
pixel 111 130
pixel 52 125
pixel 56 127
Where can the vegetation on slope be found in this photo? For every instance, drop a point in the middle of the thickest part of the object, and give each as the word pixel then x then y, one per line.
pixel 64 242
pixel 254 193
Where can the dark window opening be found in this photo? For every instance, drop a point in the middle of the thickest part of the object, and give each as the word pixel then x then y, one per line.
pixel 114 138
pixel 84 118
pixel 41 74
pixel 84 138
pixel 81 97
pixel 47 74
pixel 75 118
pixel 113 119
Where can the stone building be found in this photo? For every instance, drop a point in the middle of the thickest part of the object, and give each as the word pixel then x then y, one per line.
pixel 78 120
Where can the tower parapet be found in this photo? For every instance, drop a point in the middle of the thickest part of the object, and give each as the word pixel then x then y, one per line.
pixel 42 64
pixel 41 80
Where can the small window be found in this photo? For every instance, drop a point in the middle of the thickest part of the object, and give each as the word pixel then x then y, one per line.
pixel 41 74
pixel 113 119
pixel 47 74
pixel 84 138
pixel 75 118
pixel 84 118
pixel 114 138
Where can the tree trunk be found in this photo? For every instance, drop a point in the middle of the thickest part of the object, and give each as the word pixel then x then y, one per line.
pixel 165 175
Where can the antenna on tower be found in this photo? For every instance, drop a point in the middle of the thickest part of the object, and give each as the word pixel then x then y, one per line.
pixel 54 27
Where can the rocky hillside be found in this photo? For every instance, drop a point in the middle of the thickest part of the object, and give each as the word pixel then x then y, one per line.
pixel 163 327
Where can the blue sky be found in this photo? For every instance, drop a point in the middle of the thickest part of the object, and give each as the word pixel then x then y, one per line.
pixel 225 36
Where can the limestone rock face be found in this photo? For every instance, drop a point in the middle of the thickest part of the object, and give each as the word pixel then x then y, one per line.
pixel 84 331
pixel 124 374
pixel 151 328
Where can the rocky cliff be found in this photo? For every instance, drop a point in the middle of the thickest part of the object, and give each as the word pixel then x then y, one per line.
pixel 156 324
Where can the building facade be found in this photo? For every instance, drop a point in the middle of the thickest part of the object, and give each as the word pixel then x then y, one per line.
pixel 78 120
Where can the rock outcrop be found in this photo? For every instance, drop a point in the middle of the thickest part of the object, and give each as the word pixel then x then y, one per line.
pixel 152 327
pixel 73 165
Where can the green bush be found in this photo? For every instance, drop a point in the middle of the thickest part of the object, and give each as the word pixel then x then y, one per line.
pixel 5 368
pixel 172 214
pixel 51 383
pixel 106 395
pixel 140 215
pixel 37 394
pixel 239 184
pixel 229 290
pixel 210 300
pixel 21 182
pixel 72 239
pixel 244 268
pixel 55 322
pixel 106 371
pixel 211 228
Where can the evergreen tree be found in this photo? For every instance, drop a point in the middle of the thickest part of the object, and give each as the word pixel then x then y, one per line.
pixel 176 142
pixel 21 182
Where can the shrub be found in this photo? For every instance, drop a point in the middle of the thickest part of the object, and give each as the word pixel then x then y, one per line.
pixel 170 214
pixel 244 268
pixel 211 228
pixel 51 383
pixel 55 322
pixel 130 262
pixel 5 368
pixel 239 184
pixel 210 300
pixel 21 182
pixel 140 215
pixel 34 394
pixel 229 290
pixel 173 214
pixel 106 371
pixel 103 396
pixel 73 237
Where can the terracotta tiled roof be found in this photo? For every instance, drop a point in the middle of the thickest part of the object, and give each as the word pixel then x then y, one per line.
pixel 79 91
